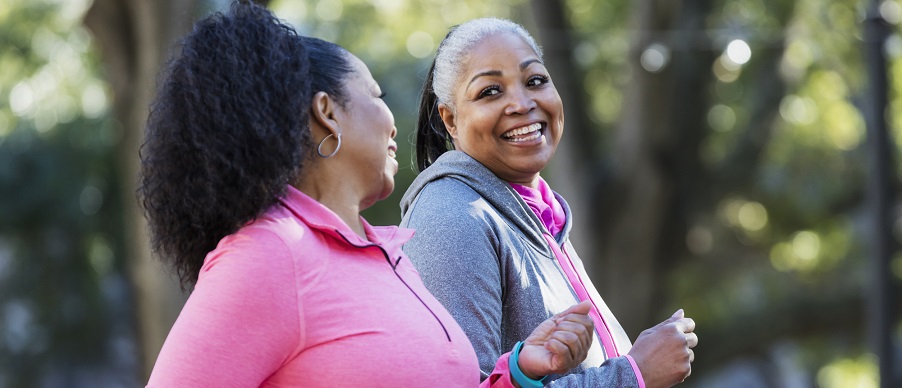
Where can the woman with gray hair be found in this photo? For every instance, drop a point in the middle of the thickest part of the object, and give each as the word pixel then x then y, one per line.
pixel 492 237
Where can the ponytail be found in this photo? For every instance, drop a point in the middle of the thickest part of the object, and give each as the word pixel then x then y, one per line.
pixel 432 138
pixel 228 130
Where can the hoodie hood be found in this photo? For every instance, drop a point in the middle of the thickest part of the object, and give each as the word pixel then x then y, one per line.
pixel 461 167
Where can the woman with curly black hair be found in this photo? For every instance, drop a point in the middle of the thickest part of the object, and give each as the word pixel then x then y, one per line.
pixel 261 149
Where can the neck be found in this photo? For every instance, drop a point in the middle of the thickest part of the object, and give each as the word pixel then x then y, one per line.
pixel 337 197
pixel 532 182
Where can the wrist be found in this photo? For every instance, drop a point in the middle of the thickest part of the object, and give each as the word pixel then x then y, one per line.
pixel 518 375
pixel 530 375
pixel 639 379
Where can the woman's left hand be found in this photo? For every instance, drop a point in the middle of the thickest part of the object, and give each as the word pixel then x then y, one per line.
pixel 559 343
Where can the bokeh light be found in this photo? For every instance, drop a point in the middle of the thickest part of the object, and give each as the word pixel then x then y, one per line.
pixel 721 118
pixel 752 216
pixel 101 255
pixel 798 110
pixel 849 372
pixel 738 52
pixel 90 200
pixel 93 100
pixel 891 11
pixel 725 72
pixel 389 7
pixel 806 245
pixel 21 99
pixel 844 126
pixel 420 44
pixel 655 58
pixel 294 12
pixel 329 10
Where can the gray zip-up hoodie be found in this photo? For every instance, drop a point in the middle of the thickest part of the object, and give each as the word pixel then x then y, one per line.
pixel 480 250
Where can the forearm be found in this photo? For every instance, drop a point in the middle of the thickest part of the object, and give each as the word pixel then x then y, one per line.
pixel 615 372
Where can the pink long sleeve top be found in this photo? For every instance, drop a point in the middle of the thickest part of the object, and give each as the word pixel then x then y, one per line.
pixel 296 298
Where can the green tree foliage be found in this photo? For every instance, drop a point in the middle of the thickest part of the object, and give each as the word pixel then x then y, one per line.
pixel 65 310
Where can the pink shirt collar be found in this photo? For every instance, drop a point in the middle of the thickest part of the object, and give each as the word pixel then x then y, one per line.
pixel 318 216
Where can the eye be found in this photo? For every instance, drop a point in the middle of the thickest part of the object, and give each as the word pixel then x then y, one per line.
pixel 382 95
pixel 537 80
pixel 489 91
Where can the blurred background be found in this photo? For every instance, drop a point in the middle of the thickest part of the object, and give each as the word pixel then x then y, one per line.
pixel 735 158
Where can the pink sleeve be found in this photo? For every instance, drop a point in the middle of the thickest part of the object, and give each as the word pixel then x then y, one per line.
pixel 636 371
pixel 241 322
pixel 501 375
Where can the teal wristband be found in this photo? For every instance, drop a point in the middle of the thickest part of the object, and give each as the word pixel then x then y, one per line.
pixel 517 374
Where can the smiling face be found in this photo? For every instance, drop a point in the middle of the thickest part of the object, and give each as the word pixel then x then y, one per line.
pixel 368 130
pixel 507 113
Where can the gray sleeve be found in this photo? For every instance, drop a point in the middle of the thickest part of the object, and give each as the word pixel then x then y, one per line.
pixel 614 372
pixel 454 254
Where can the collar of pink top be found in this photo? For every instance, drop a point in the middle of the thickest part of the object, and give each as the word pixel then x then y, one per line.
pixel 319 217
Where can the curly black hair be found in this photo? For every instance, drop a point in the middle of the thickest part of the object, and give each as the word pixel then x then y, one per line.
pixel 228 129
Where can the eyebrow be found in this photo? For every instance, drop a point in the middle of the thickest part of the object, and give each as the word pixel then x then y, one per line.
pixel 526 63
pixel 497 73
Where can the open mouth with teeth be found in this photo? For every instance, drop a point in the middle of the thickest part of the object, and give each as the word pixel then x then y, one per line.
pixel 527 133
pixel 391 153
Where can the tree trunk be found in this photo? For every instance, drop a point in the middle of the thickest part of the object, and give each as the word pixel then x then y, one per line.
pixel 134 37
pixel 640 190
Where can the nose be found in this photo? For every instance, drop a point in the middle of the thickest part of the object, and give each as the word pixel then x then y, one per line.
pixel 394 131
pixel 520 102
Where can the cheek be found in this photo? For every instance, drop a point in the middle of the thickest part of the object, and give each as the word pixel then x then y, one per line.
pixel 475 123
pixel 386 112
pixel 481 124
pixel 470 134
pixel 554 105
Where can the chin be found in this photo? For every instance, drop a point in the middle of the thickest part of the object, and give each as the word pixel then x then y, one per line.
pixel 386 193
pixel 534 164
pixel 387 189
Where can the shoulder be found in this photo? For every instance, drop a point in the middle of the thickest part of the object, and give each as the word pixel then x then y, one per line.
pixel 267 248
pixel 249 257
pixel 449 204
pixel 446 186
pixel 447 194
pixel 453 227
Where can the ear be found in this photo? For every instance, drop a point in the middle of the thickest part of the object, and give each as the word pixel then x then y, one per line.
pixel 322 114
pixel 447 115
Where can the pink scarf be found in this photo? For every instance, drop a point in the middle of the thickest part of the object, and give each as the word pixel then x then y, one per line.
pixel 546 206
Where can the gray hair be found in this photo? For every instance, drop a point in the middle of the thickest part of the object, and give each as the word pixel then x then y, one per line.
pixel 450 58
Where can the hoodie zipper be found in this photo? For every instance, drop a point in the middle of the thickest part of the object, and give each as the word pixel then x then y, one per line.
pixel 394 267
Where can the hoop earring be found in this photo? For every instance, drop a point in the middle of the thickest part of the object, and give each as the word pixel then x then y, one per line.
pixel 319 149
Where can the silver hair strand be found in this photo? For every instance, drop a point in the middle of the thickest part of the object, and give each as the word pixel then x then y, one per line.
pixel 450 57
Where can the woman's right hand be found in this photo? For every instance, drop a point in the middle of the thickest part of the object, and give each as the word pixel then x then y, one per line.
pixel 559 343
pixel 664 352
